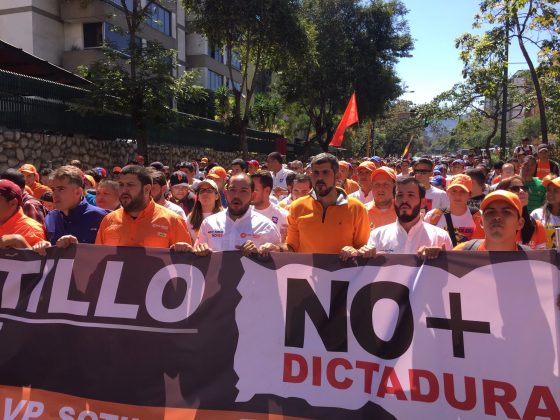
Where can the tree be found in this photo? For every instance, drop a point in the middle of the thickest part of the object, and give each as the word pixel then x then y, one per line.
pixel 137 80
pixel 266 111
pixel 351 46
pixel 531 21
pixel 264 34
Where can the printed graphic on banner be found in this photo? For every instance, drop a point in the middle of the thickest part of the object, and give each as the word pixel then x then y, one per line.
pixel 412 341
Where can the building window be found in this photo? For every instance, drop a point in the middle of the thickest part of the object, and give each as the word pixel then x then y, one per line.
pixel 215 80
pixel 93 35
pixel 119 4
pixel 233 85
pixel 159 19
pixel 117 40
pixel 235 62
pixel 215 53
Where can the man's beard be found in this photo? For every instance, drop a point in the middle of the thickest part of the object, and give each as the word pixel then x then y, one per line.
pixel 324 192
pixel 240 211
pixel 405 218
pixel 136 203
pixel 158 197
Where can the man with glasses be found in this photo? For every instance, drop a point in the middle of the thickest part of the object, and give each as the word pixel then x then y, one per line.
pixel 435 198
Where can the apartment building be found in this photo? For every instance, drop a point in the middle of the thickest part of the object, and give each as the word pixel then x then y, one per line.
pixel 70 33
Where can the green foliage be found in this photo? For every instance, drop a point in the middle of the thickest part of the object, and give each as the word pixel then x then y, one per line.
pixel 223 101
pixel 266 111
pixel 350 46
pixel 264 33
pixel 530 127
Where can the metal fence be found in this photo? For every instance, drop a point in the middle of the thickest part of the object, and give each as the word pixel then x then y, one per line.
pixel 31 104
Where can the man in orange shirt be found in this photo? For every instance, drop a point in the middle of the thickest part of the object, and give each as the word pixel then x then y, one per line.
pixel 32 180
pixel 16 229
pixel 327 220
pixel 140 221
pixel 381 211
pixel 344 181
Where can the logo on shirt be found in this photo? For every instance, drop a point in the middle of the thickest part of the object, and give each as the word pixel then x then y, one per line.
pixel 160 226
pixel 275 220
pixel 244 235
pixel 216 233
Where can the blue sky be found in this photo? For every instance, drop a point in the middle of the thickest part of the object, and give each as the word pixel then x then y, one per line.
pixel 435 65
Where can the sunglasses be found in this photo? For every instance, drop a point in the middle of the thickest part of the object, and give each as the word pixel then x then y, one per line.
pixel 422 171
pixel 516 189
pixel 205 190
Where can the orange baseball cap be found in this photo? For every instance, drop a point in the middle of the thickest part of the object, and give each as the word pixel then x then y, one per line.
pixel 462 181
pixel 554 181
pixel 343 163
pixel 29 169
pixel 217 172
pixel 368 166
pixel 502 195
pixel 385 170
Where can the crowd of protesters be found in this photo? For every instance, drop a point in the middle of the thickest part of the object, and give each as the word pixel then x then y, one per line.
pixel 351 208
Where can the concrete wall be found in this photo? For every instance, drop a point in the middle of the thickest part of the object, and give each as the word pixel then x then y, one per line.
pixel 17 148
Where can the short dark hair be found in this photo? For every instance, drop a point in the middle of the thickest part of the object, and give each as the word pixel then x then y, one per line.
pixel 290 179
pixel 264 177
pixel 303 178
pixel 477 175
pixel 424 161
pixel 498 165
pixel 143 173
pixel 276 156
pixel 242 164
pixel 15 176
pixel 71 172
pixel 187 165
pixel 159 178
pixel 410 180
pixel 325 158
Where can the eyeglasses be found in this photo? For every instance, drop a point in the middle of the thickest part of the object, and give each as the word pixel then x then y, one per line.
pixel 517 188
pixel 205 190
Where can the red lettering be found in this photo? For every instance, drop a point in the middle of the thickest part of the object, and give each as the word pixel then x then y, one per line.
pixel 289 376
pixel 368 368
pixel 395 388
pixel 316 371
pixel 491 398
pixel 416 394
pixel 550 409
pixel 331 373
pixel 470 392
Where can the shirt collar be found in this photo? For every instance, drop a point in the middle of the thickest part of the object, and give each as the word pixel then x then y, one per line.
pixel 247 214
pixel 149 209
pixel 16 217
pixel 341 198
pixel 413 229
pixel 77 211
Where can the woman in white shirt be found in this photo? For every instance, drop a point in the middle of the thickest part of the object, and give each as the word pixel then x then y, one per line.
pixel 207 202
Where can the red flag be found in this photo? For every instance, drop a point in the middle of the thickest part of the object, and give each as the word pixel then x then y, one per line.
pixel 350 117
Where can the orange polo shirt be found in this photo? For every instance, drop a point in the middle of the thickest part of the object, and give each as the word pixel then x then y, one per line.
pixel 37 190
pixel 313 229
pixel 543 168
pixel 350 186
pixel 155 227
pixel 380 217
pixel 20 224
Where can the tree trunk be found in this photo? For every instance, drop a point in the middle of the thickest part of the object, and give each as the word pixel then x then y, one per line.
pixel 489 139
pixel 536 84
pixel 243 139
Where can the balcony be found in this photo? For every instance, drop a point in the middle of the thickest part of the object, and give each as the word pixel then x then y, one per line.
pixel 74 11
pixel 74 58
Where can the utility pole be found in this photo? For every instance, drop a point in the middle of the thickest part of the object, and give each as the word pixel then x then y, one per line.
pixel 503 131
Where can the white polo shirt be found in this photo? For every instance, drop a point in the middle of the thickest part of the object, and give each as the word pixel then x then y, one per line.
pixel 362 197
pixel 279 178
pixel 436 199
pixel 222 233
pixel 393 239
pixel 278 216
pixel 175 209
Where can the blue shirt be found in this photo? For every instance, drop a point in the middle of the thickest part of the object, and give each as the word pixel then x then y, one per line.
pixel 82 222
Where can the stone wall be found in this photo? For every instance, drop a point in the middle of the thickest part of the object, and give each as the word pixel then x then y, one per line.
pixel 43 151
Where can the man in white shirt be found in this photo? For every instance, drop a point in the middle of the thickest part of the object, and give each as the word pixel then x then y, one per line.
pixel 409 234
pixel 279 173
pixel 435 198
pixel 239 227
pixel 262 204
pixel 364 171
pixel 405 169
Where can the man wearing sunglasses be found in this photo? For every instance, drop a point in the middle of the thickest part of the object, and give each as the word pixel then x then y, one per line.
pixel 435 198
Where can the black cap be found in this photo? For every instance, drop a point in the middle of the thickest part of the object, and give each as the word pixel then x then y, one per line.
pixel 178 178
